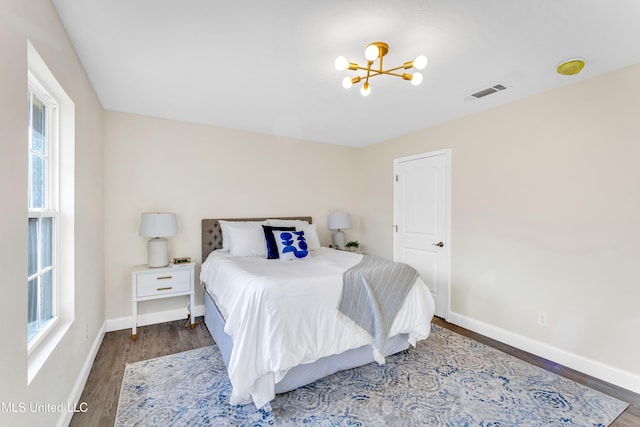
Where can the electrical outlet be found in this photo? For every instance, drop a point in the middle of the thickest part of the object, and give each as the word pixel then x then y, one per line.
pixel 543 318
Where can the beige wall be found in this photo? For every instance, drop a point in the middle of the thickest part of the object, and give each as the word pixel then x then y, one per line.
pixel 37 21
pixel 545 214
pixel 200 172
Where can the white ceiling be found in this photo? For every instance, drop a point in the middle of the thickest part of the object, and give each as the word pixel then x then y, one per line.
pixel 267 66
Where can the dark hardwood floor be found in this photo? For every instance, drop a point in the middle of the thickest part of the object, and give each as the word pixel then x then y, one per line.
pixel 103 385
pixel 102 390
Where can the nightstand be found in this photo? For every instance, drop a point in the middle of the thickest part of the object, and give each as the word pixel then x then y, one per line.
pixel 148 283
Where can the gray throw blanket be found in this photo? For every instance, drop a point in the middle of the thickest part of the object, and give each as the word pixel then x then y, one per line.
pixel 372 294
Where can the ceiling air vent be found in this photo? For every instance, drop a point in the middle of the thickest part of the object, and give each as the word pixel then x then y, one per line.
pixel 488 91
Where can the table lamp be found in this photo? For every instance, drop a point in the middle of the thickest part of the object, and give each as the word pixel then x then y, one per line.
pixel 339 221
pixel 157 226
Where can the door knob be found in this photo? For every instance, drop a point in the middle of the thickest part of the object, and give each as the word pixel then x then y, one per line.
pixel 439 244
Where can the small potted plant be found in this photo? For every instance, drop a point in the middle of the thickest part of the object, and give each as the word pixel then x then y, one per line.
pixel 352 246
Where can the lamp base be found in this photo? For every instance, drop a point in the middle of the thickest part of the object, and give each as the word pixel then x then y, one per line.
pixel 338 239
pixel 157 252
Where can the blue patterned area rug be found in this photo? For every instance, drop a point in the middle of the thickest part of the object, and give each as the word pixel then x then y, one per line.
pixel 447 380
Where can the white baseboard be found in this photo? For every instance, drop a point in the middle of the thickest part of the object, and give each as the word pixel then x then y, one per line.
pixel 74 398
pixel 590 367
pixel 151 318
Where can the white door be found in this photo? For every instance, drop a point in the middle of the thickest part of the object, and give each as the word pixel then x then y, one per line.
pixel 421 220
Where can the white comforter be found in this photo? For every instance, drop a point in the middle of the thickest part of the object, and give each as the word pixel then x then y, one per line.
pixel 282 314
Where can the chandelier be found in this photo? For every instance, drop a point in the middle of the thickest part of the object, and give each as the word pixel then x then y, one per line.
pixel 376 51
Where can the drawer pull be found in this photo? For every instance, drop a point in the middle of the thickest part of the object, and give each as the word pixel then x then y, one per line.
pixel 165 289
pixel 164 277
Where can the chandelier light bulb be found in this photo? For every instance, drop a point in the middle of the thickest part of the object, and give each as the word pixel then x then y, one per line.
pixel 416 79
pixel 341 63
pixel 371 52
pixel 365 90
pixel 420 62
pixel 346 82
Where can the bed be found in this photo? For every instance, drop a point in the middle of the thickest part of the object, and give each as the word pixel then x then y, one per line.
pixel 276 322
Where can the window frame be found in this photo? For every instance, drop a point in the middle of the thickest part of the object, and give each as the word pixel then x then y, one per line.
pixel 41 350
pixel 49 209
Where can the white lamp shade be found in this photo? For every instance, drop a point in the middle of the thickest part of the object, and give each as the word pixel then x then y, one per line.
pixel 158 224
pixel 339 221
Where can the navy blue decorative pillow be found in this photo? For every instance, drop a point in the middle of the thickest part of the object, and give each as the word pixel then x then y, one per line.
pixel 272 248
pixel 291 245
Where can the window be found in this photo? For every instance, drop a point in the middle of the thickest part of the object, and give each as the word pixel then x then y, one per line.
pixel 51 211
pixel 43 211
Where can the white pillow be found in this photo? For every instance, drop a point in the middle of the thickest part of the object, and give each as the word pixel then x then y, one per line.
pixel 225 234
pixel 311 234
pixel 243 238
pixel 291 245
pixel 287 222
pixel 310 231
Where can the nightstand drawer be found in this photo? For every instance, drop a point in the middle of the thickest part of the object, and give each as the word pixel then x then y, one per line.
pixel 148 284
pixel 164 282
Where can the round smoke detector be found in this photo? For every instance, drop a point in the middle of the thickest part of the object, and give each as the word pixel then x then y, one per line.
pixel 571 67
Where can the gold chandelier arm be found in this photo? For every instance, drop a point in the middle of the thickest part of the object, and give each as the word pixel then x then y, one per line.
pixel 369 71
pixel 374 73
pixel 393 69
pixel 392 74
pixel 378 72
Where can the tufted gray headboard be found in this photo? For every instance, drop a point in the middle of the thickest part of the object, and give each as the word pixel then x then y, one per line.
pixel 212 235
